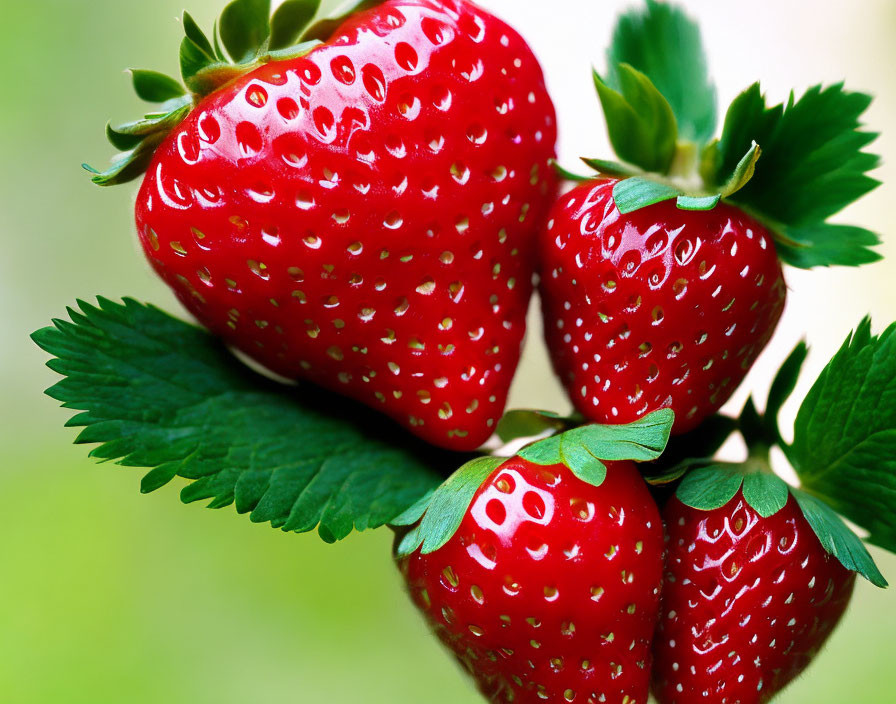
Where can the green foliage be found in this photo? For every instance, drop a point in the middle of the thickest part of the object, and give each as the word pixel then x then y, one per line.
pixel 582 449
pixel 444 510
pixel 844 446
pixel 634 193
pixel 527 423
pixel 784 383
pixel 289 21
pixel 640 121
pixel 245 28
pixel 154 87
pixel 664 44
pixel 812 166
pixel 838 539
pixel 710 487
pixel 159 393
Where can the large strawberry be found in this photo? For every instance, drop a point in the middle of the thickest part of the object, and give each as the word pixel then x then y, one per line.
pixel 549 588
pixel 660 278
pixel 747 603
pixel 358 213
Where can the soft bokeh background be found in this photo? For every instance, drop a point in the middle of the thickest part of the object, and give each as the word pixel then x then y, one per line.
pixel 107 596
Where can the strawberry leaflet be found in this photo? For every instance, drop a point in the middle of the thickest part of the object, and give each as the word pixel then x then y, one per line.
pixel 158 393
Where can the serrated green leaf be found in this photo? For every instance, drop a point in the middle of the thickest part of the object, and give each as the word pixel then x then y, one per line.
pixel 155 87
pixel 837 539
pixel 698 202
pixel 826 244
pixel 162 394
pixel 244 28
pixel 640 122
pixel 290 20
pixel 582 449
pixel 447 506
pixel 634 193
pixel 711 487
pixel 844 446
pixel 766 493
pixel 783 385
pixel 812 166
pixel 662 42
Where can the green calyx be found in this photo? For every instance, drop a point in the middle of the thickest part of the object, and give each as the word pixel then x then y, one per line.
pixel 843 450
pixel 244 37
pixel 438 515
pixel 791 166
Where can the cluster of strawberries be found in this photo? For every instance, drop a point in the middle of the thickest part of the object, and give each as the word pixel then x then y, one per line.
pixel 371 212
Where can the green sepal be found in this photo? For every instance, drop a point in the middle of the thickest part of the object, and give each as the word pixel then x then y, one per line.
pixel 290 20
pixel 710 487
pixel 584 449
pixel 765 493
pixel 245 28
pixel 446 507
pixel 844 440
pixel 634 193
pixel 155 87
pixel 837 539
pixel 698 202
pixel 662 42
pixel 567 175
pixel 640 122
pixel 606 167
pixel 415 512
pixel 197 36
pixel 527 423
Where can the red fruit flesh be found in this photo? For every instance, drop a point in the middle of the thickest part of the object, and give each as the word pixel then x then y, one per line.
pixel 660 308
pixel 363 217
pixel 748 602
pixel 549 590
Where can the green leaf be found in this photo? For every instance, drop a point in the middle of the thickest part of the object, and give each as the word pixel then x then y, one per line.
pixel 783 385
pixel 606 167
pixel 844 446
pixel 192 61
pixel 245 28
pixel 640 122
pixel 711 487
pixel 663 43
pixel 155 87
pixel 290 20
pixel 812 166
pixel 698 202
pixel 826 244
pixel 197 36
pixel 582 449
pixel 634 193
pixel 837 539
pixel 766 493
pixel 447 507
pixel 158 393
pixel 743 172
pixel 524 423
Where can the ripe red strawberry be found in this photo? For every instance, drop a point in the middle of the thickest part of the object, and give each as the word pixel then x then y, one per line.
pixel 747 603
pixel 549 589
pixel 659 308
pixel 363 216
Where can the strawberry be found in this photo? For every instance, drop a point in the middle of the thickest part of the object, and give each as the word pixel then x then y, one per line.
pixel 747 603
pixel 658 308
pixel 362 215
pixel 549 589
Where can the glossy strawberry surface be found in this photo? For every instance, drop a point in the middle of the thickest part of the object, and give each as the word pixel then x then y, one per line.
pixel 363 217
pixel 549 590
pixel 659 308
pixel 747 603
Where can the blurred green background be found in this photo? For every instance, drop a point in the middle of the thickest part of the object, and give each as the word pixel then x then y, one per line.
pixel 107 596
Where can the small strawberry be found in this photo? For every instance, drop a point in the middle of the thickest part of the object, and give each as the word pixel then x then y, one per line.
pixel 549 588
pixel 660 277
pixel 358 213
pixel 747 603
pixel 659 308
